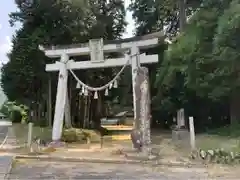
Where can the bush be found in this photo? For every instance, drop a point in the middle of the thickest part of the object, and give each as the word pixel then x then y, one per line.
pixel 80 135
pixel 217 156
pixel 15 112
pixel 16 116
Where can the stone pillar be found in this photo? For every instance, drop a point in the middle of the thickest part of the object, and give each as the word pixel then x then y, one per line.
pixel 180 134
pixel 136 135
pixel 180 118
pixel 145 113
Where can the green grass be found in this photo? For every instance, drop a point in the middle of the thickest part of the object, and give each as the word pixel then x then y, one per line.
pixel 209 142
pixel 21 132
pixel 232 131
pixel 225 137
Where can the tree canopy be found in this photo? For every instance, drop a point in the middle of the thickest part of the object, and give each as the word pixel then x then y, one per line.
pixel 50 22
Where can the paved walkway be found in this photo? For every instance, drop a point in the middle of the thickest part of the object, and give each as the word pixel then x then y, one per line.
pixel 5 165
pixel 5 160
pixel 74 171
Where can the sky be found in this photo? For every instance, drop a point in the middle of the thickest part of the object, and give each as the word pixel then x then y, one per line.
pixel 6 32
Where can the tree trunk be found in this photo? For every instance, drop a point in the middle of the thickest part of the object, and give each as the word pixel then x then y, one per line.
pixel 88 111
pixel 182 14
pixel 34 114
pixel 38 105
pixel 80 118
pixel 100 105
pixel 39 111
pixel 86 107
pixel 95 118
pixel 235 108
pixel 49 102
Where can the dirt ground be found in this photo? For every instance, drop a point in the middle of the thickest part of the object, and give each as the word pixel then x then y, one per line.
pixel 59 170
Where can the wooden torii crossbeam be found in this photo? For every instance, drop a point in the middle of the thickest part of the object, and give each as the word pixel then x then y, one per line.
pixel 64 52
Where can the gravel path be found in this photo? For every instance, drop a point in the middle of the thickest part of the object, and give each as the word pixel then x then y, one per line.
pixel 5 161
pixel 52 170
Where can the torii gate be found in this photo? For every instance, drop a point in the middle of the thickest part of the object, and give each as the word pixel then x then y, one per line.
pixel 97 61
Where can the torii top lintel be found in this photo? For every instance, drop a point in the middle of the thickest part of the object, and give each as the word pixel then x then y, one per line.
pixel 142 42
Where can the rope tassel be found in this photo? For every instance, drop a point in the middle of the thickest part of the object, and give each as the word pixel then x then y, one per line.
pixel 83 89
pixel 86 92
pixel 115 85
pixel 106 92
pixel 78 85
pixel 95 95
pixel 110 86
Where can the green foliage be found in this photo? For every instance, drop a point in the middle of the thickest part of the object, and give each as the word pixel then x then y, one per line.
pixel 41 23
pixel 227 47
pixel 151 16
pixel 202 66
pixel 192 62
pixel 16 116
pixel 207 52
pixel 190 58
pixel 5 110
pixel 147 18
pixel 15 112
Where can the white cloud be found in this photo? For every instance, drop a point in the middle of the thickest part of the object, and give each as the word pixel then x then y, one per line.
pixel 5 47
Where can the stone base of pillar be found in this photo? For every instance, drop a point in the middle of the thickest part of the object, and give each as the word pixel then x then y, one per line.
pixel 181 137
pixel 136 139
pixel 56 144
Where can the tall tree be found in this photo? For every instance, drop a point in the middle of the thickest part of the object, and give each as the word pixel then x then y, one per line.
pixel 203 56
pixel 155 15
pixel 226 50
pixel 41 24
pixel 50 22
